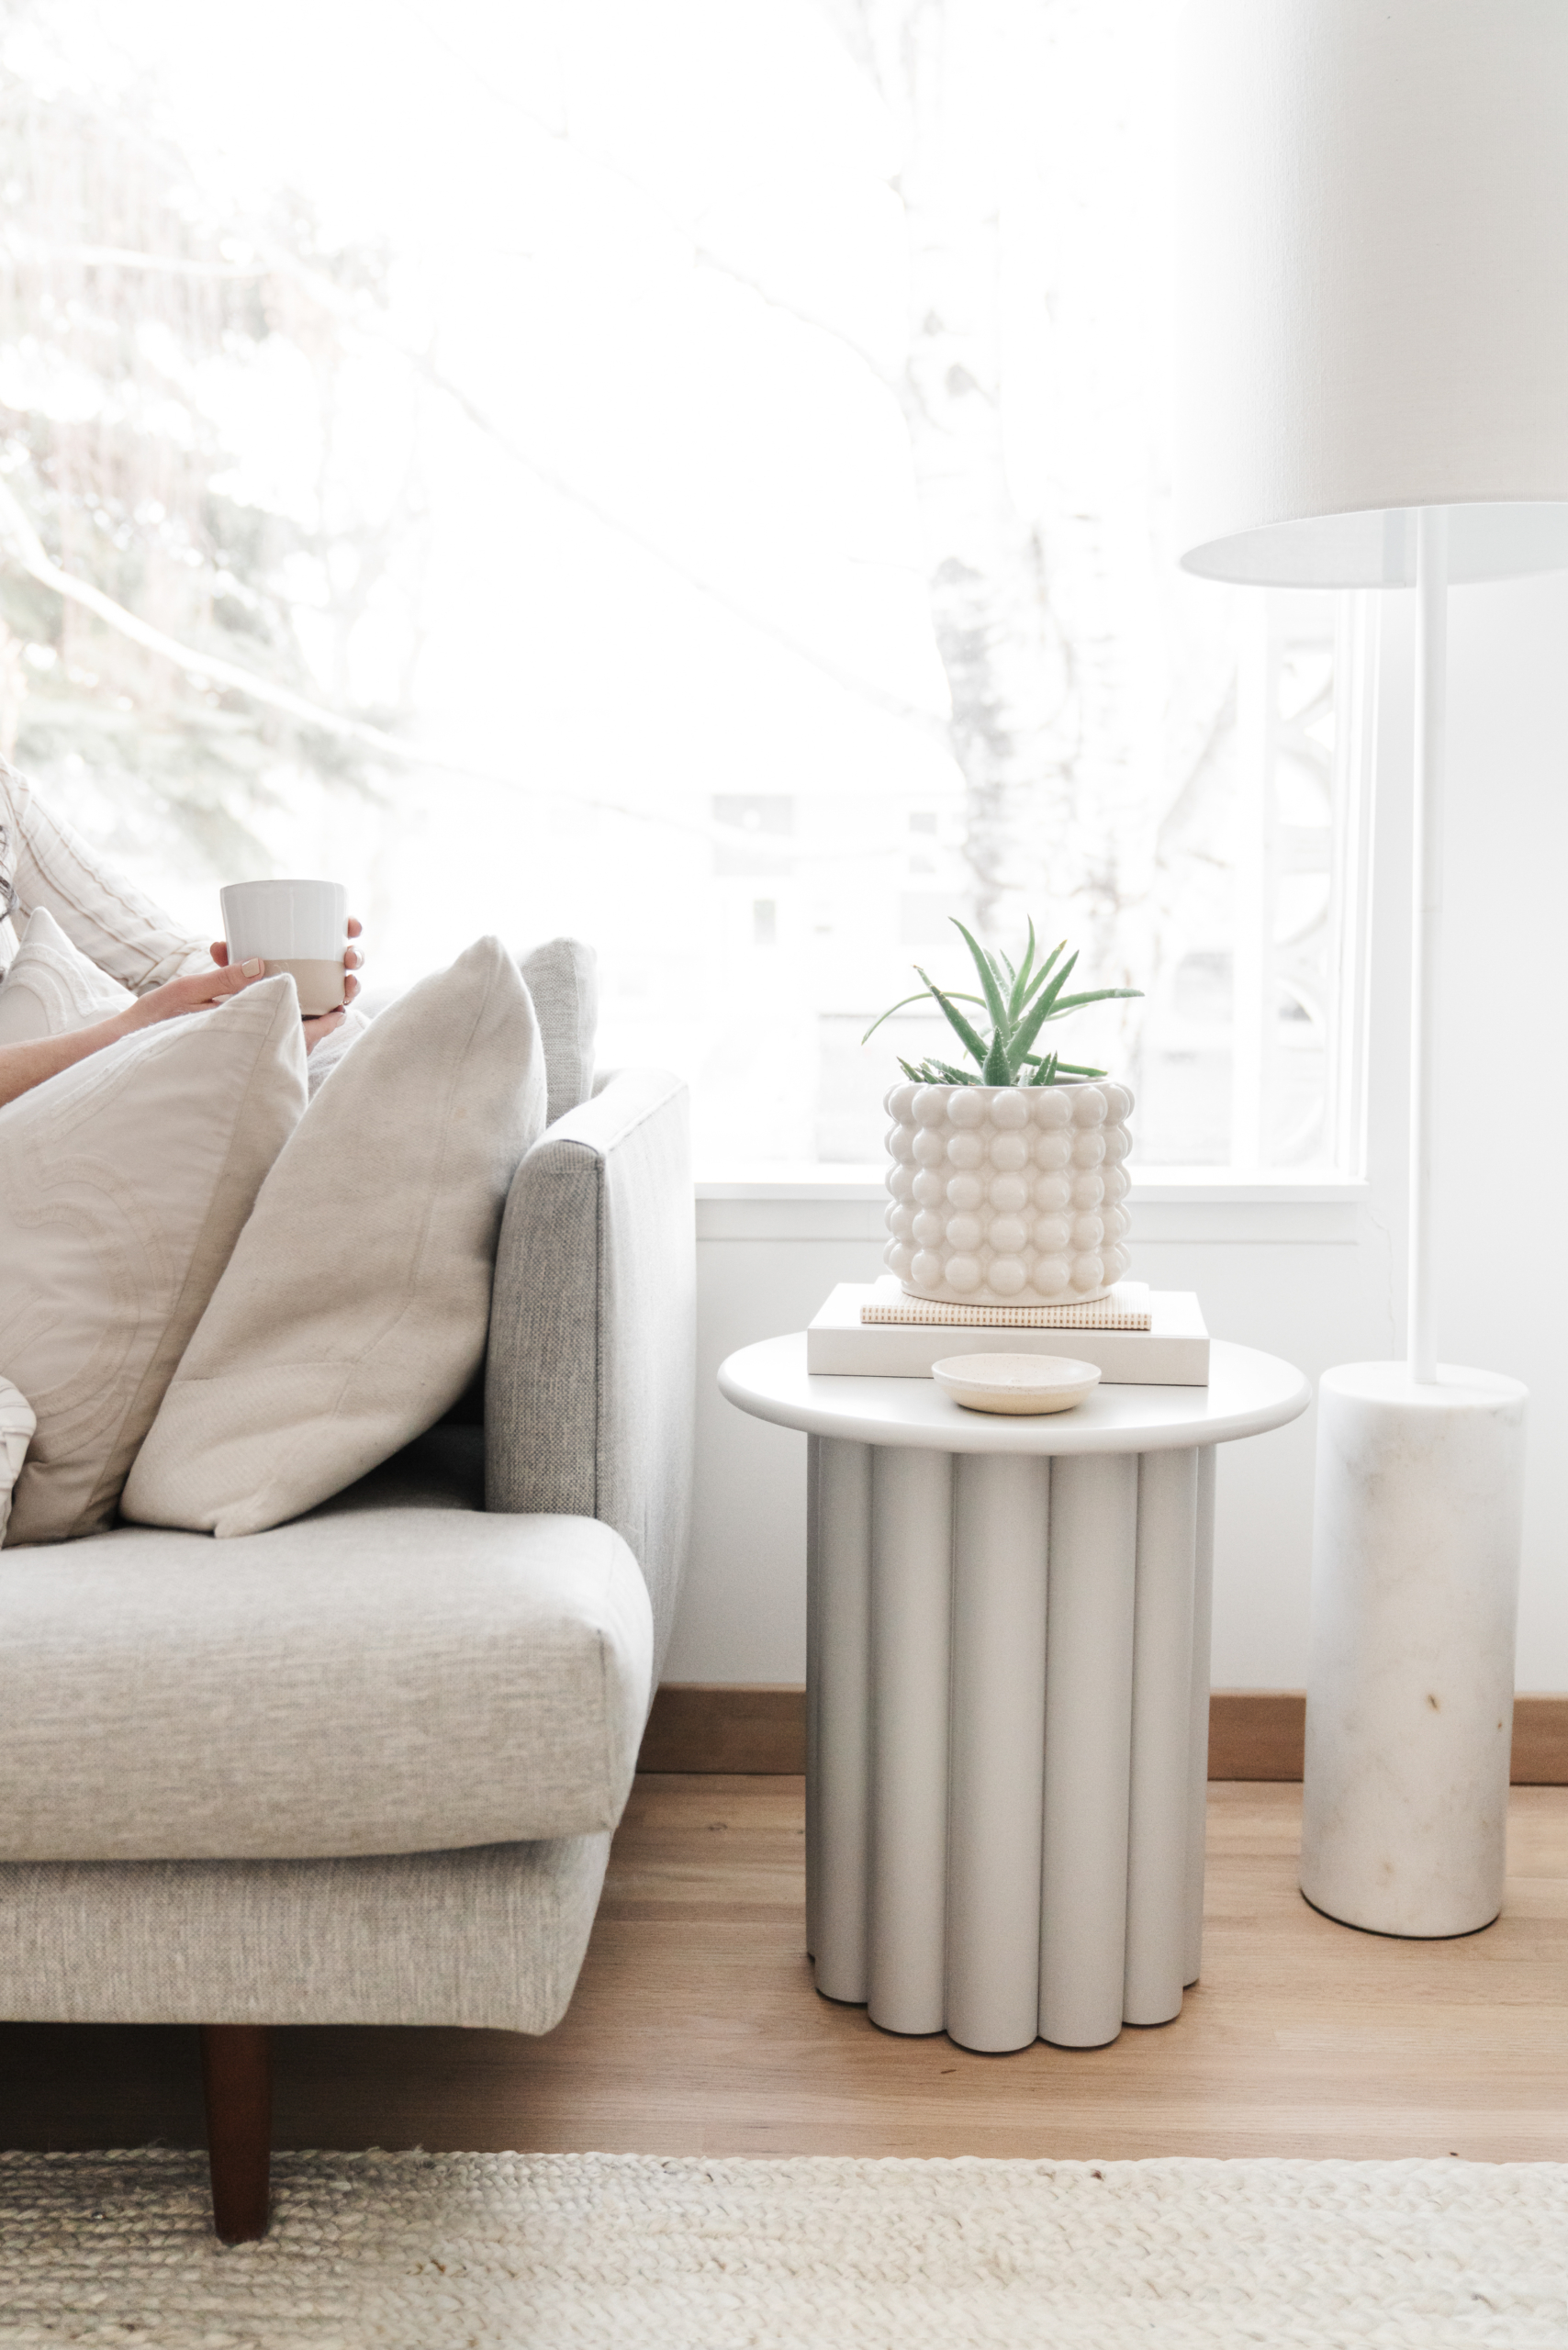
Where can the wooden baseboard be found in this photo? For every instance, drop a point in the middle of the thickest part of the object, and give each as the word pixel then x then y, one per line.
pixel 1541 1742
pixel 698 1726
pixel 1253 1733
pixel 1257 1733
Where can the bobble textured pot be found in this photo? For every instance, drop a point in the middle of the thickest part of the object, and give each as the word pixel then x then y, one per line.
pixel 1008 1194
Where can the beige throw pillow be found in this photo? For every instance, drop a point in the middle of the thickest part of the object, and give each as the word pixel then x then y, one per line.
pixel 356 1305
pixel 52 989
pixel 124 1182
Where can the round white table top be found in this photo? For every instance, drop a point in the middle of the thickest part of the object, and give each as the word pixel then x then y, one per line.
pixel 1248 1392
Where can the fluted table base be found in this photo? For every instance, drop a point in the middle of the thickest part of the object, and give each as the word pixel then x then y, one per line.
pixel 1008 1737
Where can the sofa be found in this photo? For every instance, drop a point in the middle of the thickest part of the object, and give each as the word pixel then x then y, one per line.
pixel 365 1768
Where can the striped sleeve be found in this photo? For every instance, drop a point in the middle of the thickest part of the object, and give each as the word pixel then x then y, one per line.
pixel 114 925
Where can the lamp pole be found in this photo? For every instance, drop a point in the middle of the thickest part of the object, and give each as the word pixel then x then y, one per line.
pixel 1431 709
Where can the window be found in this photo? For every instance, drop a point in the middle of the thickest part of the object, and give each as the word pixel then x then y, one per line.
pixel 691 476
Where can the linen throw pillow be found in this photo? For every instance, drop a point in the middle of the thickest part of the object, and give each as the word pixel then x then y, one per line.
pixel 356 1305
pixel 124 1182
pixel 52 989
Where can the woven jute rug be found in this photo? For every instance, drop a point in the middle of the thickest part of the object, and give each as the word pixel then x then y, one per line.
pixel 441 2252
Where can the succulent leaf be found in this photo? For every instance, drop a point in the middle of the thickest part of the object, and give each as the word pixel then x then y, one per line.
pixel 967 1035
pixel 1066 1003
pixel 995 1002
pixel 1043 1007
pixel 997 1070
pixel 1019 1001
pixel 1021 976
pixel 918 997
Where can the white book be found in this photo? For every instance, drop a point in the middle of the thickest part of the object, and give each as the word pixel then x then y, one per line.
pixel 1172 1352
pixel 1126 1308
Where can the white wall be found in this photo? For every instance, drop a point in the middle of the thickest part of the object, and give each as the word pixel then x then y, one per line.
pixel 1503 1250
pixel 1320 1282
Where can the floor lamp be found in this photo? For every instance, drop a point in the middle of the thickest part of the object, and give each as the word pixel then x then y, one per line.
pixel 1373 385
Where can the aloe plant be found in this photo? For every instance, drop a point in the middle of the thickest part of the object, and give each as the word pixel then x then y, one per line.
pixel 1019 1003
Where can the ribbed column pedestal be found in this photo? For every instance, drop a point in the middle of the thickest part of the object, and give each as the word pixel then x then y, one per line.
pixel 1089 1709
pixel 997 1768
pixel 912 1551
pixel 1198 1720
pixel 1161 1732
pixel 1007 1737
pixel 840 1808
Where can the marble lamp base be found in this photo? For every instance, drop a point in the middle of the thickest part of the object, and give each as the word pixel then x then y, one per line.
pixel 1414 1589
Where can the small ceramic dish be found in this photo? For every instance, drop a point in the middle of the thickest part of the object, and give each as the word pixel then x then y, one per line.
pixel 1016 1382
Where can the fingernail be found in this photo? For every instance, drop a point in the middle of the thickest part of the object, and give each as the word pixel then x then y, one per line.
pixel 254 969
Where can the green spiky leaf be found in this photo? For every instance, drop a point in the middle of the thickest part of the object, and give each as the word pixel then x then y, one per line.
pixel 989 980
pixel 918 997
pixel 1019 1001
pixel 1066 1003
pixel 1016 1002
pixel 968 1036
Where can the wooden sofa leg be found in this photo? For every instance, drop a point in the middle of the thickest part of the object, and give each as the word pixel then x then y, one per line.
pixel 237 2082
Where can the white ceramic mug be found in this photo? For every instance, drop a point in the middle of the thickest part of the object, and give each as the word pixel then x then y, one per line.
pixel 298 926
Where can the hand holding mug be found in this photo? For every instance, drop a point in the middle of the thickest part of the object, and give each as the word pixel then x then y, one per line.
pixel 296 926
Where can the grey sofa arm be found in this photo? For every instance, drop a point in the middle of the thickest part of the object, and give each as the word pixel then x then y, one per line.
pixel 591 1382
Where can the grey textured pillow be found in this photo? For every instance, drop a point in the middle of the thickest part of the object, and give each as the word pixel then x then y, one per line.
pixel 355 1307
pixel 562 976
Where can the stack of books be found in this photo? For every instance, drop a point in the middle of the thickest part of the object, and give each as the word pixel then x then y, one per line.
pixel 1136 1337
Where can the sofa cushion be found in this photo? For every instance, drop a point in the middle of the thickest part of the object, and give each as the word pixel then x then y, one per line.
pixel 490 1936
pixel 392 1673
pixel 355 1307
pixel 124 1182
pixel 51 990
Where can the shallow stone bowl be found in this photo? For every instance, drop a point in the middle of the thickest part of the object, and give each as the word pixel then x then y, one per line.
pixel 1020 1384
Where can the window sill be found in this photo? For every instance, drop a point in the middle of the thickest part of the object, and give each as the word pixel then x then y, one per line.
pixel 827 1202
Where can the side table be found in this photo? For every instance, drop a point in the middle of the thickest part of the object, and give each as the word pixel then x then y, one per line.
pixel 1007 1691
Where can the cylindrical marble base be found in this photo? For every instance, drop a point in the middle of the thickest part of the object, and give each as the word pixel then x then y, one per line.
pixel 1415 1586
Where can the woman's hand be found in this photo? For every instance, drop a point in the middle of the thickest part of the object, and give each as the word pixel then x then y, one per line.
pixel 24 1065
pixel 197 991
pixel 323 1025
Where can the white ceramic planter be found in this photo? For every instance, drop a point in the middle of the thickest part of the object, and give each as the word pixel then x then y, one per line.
pixel 1008 1194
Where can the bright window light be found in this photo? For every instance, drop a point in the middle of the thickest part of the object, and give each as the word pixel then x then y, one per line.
pixel 694 477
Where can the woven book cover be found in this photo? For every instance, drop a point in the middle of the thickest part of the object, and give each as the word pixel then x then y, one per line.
pixel 1126 1308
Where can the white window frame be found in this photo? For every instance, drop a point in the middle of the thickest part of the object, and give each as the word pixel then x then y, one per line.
pixel 845 1203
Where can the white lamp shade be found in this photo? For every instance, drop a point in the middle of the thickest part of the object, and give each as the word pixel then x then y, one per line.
pixel 1373 306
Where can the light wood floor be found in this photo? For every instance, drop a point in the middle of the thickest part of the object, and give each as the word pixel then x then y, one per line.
pixel 695 2028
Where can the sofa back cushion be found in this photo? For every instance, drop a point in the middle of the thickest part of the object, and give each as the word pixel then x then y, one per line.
pixel 123 1183
pixel 52 989
pixel 562 976
pixel 356 1308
